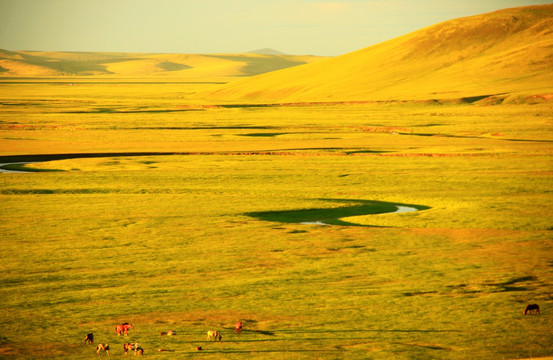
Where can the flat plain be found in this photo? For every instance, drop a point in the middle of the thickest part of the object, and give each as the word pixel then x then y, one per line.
pixel 176 215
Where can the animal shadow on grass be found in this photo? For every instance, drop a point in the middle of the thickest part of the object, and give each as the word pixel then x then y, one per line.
pixel 321 334
pixel 318 335
pixel 261 332
pixel 278 351
pixel 339 331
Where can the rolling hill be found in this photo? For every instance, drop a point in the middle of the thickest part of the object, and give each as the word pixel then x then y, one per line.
pixel 44 63
pixel 500 53
pixel 266 51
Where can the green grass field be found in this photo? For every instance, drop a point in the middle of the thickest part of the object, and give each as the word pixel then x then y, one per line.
pixel 202 230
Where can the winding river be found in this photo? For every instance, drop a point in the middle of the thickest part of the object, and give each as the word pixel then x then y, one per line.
pixel 4 170
pixel 400 209
pixel 320 216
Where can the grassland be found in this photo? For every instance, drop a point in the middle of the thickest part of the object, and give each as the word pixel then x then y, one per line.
pixel 167 240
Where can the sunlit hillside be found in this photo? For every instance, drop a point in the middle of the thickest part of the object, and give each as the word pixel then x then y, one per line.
pixel 500 53
pixel 42 63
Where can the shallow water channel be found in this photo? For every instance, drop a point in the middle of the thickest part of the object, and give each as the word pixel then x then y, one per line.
pixel 400 209
pixel 4 170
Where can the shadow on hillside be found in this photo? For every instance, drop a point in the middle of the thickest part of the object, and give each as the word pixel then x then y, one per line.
pixel 332 216
pixel 260 65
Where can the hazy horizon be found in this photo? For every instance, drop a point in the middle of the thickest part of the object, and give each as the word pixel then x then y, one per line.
pixel 314 27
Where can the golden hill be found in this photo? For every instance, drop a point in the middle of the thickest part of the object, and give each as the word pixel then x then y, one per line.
pixel 504 52
pixel 43 63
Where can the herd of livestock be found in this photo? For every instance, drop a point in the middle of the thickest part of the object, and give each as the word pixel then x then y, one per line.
pixel 211 335
pixel 137 349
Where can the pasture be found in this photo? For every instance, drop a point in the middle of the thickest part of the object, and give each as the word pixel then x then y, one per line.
pixel 182 216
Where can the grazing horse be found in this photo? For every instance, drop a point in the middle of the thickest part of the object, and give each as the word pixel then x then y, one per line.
pixel 123 328
pixel 133 347
pixel 238 328
pixel 532 308
pixel 213 335
pixel 89 338
pixel 127 347
pixel 101 347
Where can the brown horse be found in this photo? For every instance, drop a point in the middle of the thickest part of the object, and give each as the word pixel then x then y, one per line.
pixel 89 338
pixel 532 308
pixel 104 347
pixel 123 328
pixel 133 347
pixel 238 328
pixel 127 347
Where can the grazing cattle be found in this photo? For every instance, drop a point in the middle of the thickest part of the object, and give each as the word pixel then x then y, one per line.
pixel 89 338
pixel 199 348
pixel 532 308
pixel 238 328
pixel 168 333
pixel 213 335
pixel 123 328
pixel 101 347
pixel 133 347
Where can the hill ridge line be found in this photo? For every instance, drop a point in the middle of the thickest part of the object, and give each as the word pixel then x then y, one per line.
pixel 508 51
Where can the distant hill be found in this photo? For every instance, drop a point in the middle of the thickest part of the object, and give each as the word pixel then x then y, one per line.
pixel 48 63
pixel 266 51
pixel 504 52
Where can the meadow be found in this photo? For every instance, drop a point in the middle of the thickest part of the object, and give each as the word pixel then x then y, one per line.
pixel 175 214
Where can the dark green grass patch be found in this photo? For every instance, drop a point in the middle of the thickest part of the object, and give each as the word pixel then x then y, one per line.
pixel 263 134
pixel 23 167
pixel 332 216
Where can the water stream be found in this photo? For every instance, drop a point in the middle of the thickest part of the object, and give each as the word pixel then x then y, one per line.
pixel 400 209
pixel 3 170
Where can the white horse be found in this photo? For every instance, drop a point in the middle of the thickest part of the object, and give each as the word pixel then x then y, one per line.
pixel 213 335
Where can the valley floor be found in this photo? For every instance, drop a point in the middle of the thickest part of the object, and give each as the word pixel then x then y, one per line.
pixel 172 214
